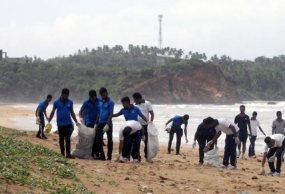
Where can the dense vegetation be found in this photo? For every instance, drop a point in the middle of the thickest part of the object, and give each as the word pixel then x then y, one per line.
pixel 117 69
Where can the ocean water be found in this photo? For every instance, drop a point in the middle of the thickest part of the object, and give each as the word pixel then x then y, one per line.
pixel 266 115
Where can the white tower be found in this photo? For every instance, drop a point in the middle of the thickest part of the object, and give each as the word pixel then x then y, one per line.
pixel 160 32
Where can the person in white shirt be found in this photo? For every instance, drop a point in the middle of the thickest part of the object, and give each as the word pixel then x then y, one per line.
pixel 254 123
pixel 231 142
pixel 146 109
pixel 130 137
pixel 276 144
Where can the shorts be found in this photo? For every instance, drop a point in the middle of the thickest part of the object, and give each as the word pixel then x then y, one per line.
pixel 243 137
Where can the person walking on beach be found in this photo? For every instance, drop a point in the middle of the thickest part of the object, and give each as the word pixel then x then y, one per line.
pixel 274 148
pixel 278 124
pixel 88 114
pixel 242 120
pixel 232 140
pixel 64 111
pixel 205 133
pixel 130 138
pixel 254 123
pixel 177 121
pixel 104 125
pixel 41 115
pixel 146 109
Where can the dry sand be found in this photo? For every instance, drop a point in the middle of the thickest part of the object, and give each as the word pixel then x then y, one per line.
pixel 168 173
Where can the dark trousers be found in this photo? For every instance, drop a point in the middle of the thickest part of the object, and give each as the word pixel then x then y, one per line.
pixel 99 140
pixel 279 157
pixel 230 151
pixel 145 142
pixel 41 126
pixel 94 144
pixel 179 134
pixel 131 146
pixel 202 140
pixel 251 150
pixel 64 133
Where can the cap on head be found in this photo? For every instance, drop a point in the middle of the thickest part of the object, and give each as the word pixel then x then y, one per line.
pixel 103 90
pixel 127 131
pixel 267 140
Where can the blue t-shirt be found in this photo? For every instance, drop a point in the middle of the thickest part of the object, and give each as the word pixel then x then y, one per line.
pixel 106 108
pixel 177 122
pixel 131 114
pixel 63 111
pixel 42 107
pixel 202 131
pixel 91 111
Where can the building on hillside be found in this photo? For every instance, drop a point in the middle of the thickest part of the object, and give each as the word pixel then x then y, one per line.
pixel 20 60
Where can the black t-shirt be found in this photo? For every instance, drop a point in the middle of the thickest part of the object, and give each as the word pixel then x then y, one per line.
pixel 202 131
pixel 242 122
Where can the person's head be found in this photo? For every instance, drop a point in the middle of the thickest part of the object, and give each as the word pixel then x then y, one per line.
pixel 137 97
pixel 126 102
pixel 103 93
pixel 64 93
pixel 215 123
pixel 254 114
pixel 279 114
pixel 92 95
pixel 270 142
pixel 185 118
pixel 208 122
pixel 49 98
pixel 242 109
pixel 127 131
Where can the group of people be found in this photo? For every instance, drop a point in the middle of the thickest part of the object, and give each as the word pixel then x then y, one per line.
pixel 237 133
pixel 97 113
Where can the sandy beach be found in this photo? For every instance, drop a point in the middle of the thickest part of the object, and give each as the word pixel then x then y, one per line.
pixel 168 174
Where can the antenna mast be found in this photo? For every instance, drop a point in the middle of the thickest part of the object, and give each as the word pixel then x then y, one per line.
pixel 160 32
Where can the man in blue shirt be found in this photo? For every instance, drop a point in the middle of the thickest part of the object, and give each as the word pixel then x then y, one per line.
pixel 40 113
pixel 205 133
pixel 64 109
pixel 130 111
pixel 90 110
pixel 104 125
pixel 177 121
pixel 88 114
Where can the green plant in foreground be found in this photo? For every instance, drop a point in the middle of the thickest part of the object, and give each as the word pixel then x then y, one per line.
pixel 34 166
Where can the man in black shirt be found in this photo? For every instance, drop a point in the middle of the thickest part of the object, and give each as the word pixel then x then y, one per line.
pixel 242 120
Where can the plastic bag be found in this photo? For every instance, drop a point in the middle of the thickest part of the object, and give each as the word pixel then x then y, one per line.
pixel 152 144
pixel 168 127
pixel 84 143
pixel 212 157
pixel 48 128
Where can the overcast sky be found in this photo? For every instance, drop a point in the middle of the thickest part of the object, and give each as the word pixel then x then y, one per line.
pixel 241 29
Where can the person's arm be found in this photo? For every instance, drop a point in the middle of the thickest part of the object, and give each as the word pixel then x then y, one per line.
pixel 216 136
pixel 263 159
pixel 143 117
pixel 249 127
pixel 151 115
pixel 51 115
pixel 121 146
pixel 45 113
pixel 261 130
pixel 233 130
pixel 74 117
pixel 196 134
pixel 111 110
pixel 185 132
pixel 118 113
pixel 169 121
pixel 273 128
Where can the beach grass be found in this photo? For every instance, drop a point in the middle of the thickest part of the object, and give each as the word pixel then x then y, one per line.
pixel 34 168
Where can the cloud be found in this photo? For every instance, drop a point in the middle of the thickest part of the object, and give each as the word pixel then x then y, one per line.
pixel 240 29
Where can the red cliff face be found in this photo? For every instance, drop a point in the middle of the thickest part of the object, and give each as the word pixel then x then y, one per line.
pixel 202 84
